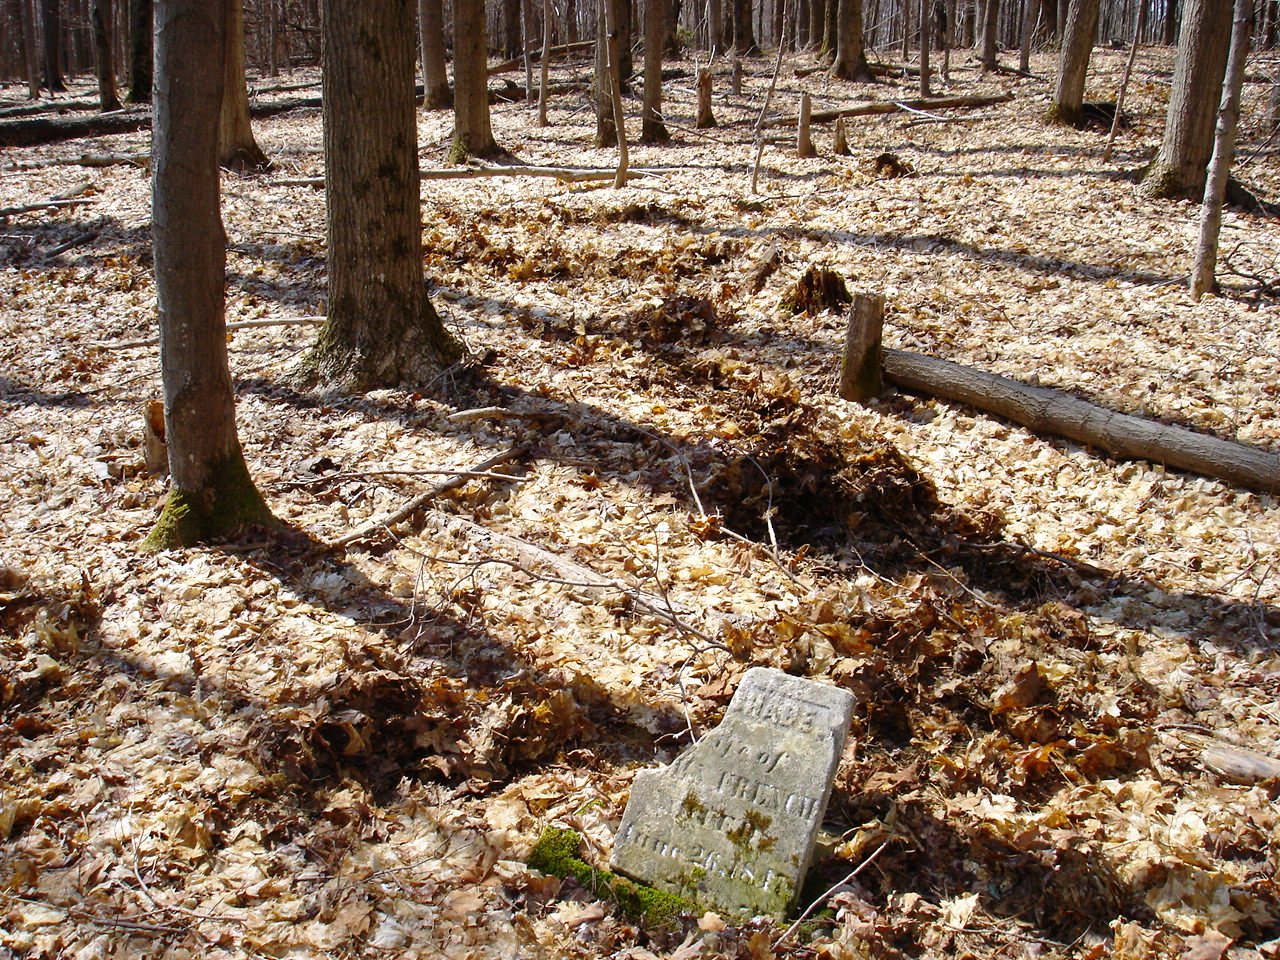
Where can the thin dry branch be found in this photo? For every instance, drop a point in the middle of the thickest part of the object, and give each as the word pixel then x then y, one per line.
pixel 375 527
pixel 878 107
pixel 237 325
pixel 563 174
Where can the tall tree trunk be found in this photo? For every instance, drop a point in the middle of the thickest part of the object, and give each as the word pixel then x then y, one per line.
pixel 51 27
pixel 1073 62
pixel 1224 145
pixel 926 36
pixel 212 494
pixel 652 129
pixel 545 64
pixel 237 148
pixel 1171 22
pixel 1179 168
pixel 715 25
pixel 851 59
pixel 990 23
pixel 140 41
pixel 1028 27
pixel 30 56
pixel 435 76
pixel 104 55
pixel 381 329
pixel 744 38
pixel 606 130
pixel 472 128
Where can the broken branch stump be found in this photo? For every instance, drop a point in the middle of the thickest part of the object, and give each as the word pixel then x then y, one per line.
pixel 804 142
pixel 705 118
pixel 860 376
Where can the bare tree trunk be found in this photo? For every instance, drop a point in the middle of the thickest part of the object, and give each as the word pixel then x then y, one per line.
pixel 435 77
pixel 1124 81
pixel 237 148
pixel 606 131
pixel 140 55
pixel 104 59
pixel 472 127
pixel 652 129
pixel 1073 62
pixel 851 59
pixel 926 38
pixel 212 493
pixel 614 69
pixel 990 23
pixel 30 57
pixel 1224 145
pixel 381 329
pixel 1028 27
pixel 51 24
pixel 547 17
pixel 1179 168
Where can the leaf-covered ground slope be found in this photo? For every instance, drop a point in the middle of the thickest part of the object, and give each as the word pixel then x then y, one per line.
pixel 275 749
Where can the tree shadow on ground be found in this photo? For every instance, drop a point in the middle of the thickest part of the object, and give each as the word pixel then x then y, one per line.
pixel 896 525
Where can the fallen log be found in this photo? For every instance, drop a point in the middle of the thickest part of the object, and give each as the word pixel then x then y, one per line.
pixel 84 160
pixel 48 106
pixel 1045 410
pixel 40 130
pixel 878 107
pixel 517 63
pixel 42 206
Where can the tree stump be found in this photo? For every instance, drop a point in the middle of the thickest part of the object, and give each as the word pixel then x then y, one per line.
pixel 841 146
pixel 804 142
pixel 704 118
pixel 735 76
pixel 860 377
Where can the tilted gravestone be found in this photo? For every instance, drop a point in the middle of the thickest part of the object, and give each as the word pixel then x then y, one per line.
pixel 732 822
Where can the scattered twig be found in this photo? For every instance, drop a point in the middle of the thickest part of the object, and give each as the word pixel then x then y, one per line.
pixel 420 501
pixel 7 212
pixel 373 474
pixel 823 899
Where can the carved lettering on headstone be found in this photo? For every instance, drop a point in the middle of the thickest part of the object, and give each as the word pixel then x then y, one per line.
pixel 731 823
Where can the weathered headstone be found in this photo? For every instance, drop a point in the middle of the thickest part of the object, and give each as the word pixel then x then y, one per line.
pixel 731 823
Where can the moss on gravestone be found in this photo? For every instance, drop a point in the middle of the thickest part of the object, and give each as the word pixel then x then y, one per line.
pixel 556 852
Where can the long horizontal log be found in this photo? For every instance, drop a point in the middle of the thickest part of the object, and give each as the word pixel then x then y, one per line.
pixel 1045 410
pixel 38 130
pixel 517 63
pixel 877 107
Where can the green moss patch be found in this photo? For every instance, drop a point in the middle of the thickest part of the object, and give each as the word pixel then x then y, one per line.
pixel 556 852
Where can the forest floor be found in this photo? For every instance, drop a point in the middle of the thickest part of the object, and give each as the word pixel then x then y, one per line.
pixel 272 749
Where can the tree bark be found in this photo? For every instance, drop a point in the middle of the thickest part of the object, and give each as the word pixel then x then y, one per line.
pixel 140 55
pixel 652 129
pixel 1054 412
pixel 544 76
pixel 861 365
pixel 104 61
pixel 1179 168
pixel 1028 28
pixel 1073 62
pixel 472 128
pixel 381 329
pixel 1224 145
pixel 614 67
pixel 606 130
pixel 704 118
pixel 990 22
pixel 926 36
pixel 51 26
pixel 744 37
pixel 435 77
pixel 851 58
pixel 237 148
pixel 30 56
pixel 212 494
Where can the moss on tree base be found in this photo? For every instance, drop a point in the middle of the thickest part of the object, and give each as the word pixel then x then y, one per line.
pixel 231 504
pixel 556 852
